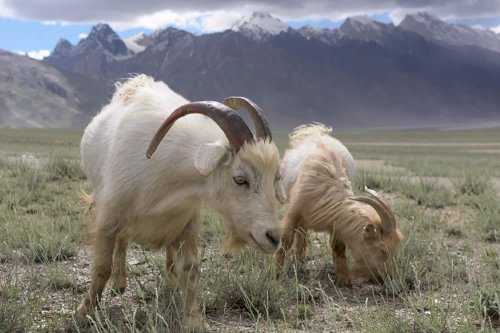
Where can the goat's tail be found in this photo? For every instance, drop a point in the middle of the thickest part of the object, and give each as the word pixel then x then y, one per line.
pixel 88 203
pixel 303 132
pixel 125 91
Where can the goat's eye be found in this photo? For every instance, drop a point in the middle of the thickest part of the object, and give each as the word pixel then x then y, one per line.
pixel 240 180
pixel 278 178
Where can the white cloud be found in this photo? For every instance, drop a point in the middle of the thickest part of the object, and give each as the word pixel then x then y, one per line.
pixel 38 55
pixel 152 13
pixel 211 21
pixel 5 11
pixel 160 19
pixel 219 20
pixel 82 36
pixel 399 14
pixel 496 29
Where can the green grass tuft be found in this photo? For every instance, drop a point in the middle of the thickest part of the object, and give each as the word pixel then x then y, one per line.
pixel 59 168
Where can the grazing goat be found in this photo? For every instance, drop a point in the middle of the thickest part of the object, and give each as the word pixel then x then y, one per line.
pixel 209 155
pixel 317 172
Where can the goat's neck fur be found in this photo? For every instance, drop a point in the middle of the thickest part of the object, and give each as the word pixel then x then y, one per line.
pixel 345 218
pixel 324 190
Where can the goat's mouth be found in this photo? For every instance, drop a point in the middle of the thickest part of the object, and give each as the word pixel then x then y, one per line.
pixel 369 275
pixel 265 248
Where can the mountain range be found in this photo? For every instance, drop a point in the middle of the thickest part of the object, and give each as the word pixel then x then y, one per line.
pixel 423 72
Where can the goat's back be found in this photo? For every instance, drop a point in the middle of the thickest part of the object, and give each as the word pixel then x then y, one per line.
pixel 116 140
pixel 313 139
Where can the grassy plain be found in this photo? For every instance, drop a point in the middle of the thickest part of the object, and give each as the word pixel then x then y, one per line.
pixel 443 185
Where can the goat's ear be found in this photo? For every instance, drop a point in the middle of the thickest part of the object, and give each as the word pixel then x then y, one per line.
pixel 370 231
pixel 208 156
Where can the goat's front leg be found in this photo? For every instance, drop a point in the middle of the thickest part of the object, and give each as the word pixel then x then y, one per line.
pixel 170 255
pixel 339 258
pixel 104 242
pixel 301 237
pixel 119 275
pixel 290 224
pixel 185 260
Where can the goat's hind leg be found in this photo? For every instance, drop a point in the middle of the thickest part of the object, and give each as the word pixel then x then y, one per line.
pixel 119 275
pixel 104 243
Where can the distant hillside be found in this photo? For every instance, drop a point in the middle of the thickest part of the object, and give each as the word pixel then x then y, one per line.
pixel 33 94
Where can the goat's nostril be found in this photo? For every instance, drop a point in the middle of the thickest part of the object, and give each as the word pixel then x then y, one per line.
pixel 274 239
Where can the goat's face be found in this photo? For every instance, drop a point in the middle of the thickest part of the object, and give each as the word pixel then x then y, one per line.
pixel 374 251
pixel 246 188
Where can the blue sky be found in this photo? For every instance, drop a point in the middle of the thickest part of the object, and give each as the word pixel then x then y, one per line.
pixel 36 35
pixel 36 26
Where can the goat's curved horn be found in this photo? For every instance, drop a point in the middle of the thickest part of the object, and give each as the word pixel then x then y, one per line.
pixel 386 215
pixel 237 132
pixel 262 130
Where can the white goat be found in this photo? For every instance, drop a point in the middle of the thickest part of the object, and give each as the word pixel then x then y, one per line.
pixel 317 172
pixel 209 156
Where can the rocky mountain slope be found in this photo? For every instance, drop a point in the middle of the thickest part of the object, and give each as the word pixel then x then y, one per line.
pixel 432 28
pixel 33 94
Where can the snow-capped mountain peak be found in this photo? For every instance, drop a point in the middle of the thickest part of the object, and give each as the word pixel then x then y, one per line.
pixel 361 23
pixel 364 28
pixel 309 29
pixel 327 36
pixel 362 19
pixel 259 26
pixel 425 18
pixel 432 28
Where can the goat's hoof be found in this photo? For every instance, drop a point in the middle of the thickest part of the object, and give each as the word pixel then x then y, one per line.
pixel 278 272
pixel 85 310
pixel 118 285
pixel 193 324
pixel 172 278
pixel 118 290
pixel 361 281
pixel 344 281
